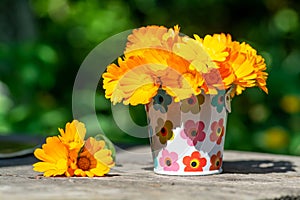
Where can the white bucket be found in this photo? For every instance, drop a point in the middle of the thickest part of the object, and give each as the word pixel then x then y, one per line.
pixel 187 137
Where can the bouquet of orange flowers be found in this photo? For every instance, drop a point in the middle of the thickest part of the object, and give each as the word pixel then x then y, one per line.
pixel 159 58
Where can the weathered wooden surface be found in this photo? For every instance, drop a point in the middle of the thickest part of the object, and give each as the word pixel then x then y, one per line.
pixel 246 176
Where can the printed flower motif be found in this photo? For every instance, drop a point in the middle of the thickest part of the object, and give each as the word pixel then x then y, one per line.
pixel 150 132
pixel 217 131
pixel 216 161
pixel 194 162
pixel 165 133
pixel 161 101
pixel 192 104
pixel 69 155
pixel 218 100
pixel 168 161
pixel 155 162
pixel 193 132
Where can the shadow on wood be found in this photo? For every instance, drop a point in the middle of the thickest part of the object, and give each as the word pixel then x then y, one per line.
pixel 257 167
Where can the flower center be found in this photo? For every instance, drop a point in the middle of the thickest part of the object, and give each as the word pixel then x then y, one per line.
pixel 191 101
pixel 168 162
pixel 219 131
pixel 217 163
pixel 221 99
pixel 194 133
pixel 164 131
pixel 194 163
pixel 84 163
pixel 160 99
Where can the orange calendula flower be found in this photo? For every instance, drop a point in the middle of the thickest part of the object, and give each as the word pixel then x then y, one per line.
pixel 238 64
pixel 69 155
pixel 74 134
pixel 216 45
pixel 94 160
pixel 159 58
pixel 192 51
pixel 138 78
pixel 54 155
pixel 155 37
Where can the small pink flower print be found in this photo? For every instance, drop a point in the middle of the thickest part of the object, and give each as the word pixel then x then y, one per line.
pixel 168 161
pixel 193 132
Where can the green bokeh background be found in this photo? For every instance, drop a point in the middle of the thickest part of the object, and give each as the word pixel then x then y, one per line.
pixel 43 43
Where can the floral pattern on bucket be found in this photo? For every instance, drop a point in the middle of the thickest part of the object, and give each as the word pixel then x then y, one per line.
pixel 194 163
pixel 168 161
pixel 218 131
pixel 216 161
pixel 193 132
pixel 218 101
pixel 192 104
pixel 161 101
pixel 164 130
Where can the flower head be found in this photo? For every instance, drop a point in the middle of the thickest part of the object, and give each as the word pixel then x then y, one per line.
pixel 156 37
pixel 68 154
pixel 94 160
pixel 138 78
pixel 54 156
pixel 73 135
pixel 159 58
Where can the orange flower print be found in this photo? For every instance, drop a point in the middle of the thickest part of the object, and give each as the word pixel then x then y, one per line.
pixel 216 161
pixel 165 133
pixel 217 131
pixel 194 163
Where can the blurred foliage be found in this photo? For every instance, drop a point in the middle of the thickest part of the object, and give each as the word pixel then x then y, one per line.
pixel 43 43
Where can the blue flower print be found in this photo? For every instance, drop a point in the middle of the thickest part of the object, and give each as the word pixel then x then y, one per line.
pixel 161 101
pixel 218 101
pixel 155 162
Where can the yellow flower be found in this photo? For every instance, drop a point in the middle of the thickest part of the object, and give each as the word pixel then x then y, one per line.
pixel 94 160
pixel 138 78
pixel 159 58
pixel 74 134
pixel 192 51
pixel 54 155
pixel 69 155
pixel 151 37
pixel 216 45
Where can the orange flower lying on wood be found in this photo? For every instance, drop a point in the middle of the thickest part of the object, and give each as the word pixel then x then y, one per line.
pixel 69 155
pixel 159 58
